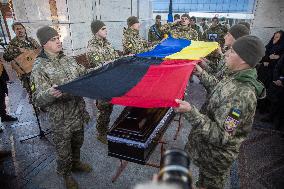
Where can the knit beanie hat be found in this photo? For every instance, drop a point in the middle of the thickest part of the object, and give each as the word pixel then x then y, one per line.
pixel 45 33
pixel 238 31
pixel 185 15
pixel 132 20
pixel 96 25
pixel 250 49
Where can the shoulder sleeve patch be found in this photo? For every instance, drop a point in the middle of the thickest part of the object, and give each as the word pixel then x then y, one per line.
pixel 232 120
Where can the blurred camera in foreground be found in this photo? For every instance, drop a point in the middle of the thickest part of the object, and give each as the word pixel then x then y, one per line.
pixel 174 173
pixel 175 169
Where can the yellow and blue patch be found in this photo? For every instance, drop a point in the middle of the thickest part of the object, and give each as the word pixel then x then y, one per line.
pixel 232 120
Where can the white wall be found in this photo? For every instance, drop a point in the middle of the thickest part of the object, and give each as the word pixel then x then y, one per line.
pixel 75 17
pixel 269 18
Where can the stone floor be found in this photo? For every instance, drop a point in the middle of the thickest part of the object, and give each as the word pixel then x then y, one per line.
pixel 260 163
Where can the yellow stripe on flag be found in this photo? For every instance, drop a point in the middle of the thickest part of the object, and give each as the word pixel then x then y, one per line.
pixel 195 50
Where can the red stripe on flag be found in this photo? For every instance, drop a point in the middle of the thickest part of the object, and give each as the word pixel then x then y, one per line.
pixel 160 86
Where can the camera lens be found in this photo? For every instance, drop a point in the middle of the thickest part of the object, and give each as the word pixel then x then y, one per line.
pixel 175 168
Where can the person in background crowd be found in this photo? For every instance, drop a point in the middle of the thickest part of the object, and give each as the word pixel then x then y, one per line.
pixel 155 34
pixel 194 26
pixel 203 24
pixel 18 45
pixel 215 32
pixel 132 42
pixel 275 95
pixel 176 17
pixel 274 49
pixel 180 29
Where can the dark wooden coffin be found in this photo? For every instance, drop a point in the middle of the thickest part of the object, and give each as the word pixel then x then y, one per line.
pixel 136 132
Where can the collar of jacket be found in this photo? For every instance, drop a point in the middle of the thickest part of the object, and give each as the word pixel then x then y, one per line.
pixel 132 31
pixel 99 41
pixel 43 54
pixel 250 76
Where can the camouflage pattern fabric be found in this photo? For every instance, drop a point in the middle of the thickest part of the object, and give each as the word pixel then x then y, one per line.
pixel 133 43
pixel 214 59
pixel 103 116
pixel 216 135
pixel 204 26
pixel 67 114
pixel 13 50
pixel 198 30
pixel 216 33
pixel 155 34
pixel 99 51
pixel 179 31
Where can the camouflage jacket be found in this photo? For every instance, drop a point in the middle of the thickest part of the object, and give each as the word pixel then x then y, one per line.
pixel 100 51
pixel 178 31
pixel 198 29
pixel 155 34
pixel 204 26
pixel 48 71
pixel 216 136
pixel 13 50
pixel 216 68
pixel 133 43
pixel 216 33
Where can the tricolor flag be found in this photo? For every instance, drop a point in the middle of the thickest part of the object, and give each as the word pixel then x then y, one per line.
pixel 147 80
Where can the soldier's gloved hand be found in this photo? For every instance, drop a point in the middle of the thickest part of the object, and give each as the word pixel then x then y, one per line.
pixel 183 106
pixel 54 92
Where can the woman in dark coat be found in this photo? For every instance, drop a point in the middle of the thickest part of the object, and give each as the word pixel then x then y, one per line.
pixel 274 49
pixel 275 95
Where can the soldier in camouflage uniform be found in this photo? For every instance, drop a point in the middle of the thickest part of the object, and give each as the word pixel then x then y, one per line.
pixel 232 35
pixel 216 136
pixel 194 26
pixel 155 34
pixel 17 46
pixel 180 29
pixel 216 32
pixel 99 50
pixel 203 24
pixel 67 113
pixel 132 42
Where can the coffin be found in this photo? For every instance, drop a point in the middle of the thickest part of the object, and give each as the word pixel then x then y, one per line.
pixel 136 132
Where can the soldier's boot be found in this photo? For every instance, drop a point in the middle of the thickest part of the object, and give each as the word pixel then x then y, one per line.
pixel 70 182
pixel 81 167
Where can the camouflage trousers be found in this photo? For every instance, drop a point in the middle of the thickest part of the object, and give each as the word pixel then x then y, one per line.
pixel 211 181
pixel 68 144
pixel 103 116
pixel 214 164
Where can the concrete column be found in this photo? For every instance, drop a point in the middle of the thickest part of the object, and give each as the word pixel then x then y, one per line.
pixel 269 18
